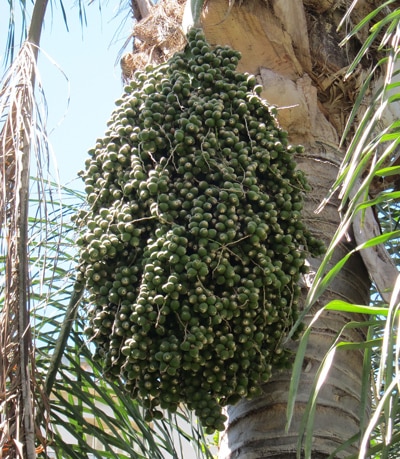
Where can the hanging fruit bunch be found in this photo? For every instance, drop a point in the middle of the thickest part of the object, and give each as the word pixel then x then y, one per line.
pixel 193 243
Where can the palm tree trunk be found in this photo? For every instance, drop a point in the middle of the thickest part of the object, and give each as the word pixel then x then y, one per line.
pixel 293 48
pixel 256 428
pixel 294 52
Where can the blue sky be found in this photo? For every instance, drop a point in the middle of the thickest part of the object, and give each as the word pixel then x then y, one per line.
pixel 78 108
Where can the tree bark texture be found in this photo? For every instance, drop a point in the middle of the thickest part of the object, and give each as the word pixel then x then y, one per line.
pixel 293 48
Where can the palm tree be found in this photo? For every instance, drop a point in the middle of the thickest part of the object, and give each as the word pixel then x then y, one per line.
pixel 295 67
pixel 303 77
pixel 294 49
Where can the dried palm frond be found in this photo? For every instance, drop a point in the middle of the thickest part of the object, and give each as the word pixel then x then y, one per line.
pixel 157 37
pixel 15 343
pixel 21 134
pixel 162 27
pixel 130 62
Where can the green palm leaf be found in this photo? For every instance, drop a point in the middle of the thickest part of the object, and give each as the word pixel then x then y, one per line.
pixel 81 405
pixel 371 153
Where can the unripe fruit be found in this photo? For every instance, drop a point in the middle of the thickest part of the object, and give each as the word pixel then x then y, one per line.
pixel 192 244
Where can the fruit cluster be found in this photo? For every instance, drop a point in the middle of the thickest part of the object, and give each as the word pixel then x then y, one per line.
pixel 193 243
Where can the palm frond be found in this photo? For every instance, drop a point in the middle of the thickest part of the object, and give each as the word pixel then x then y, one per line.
pixel 373 131
pixel 86 413
pixel 17 29
pixel 21 133
pixel 371 158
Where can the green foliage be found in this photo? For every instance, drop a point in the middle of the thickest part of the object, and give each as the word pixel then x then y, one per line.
pixel 86 414
pixel 370 155
pixel 18 23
